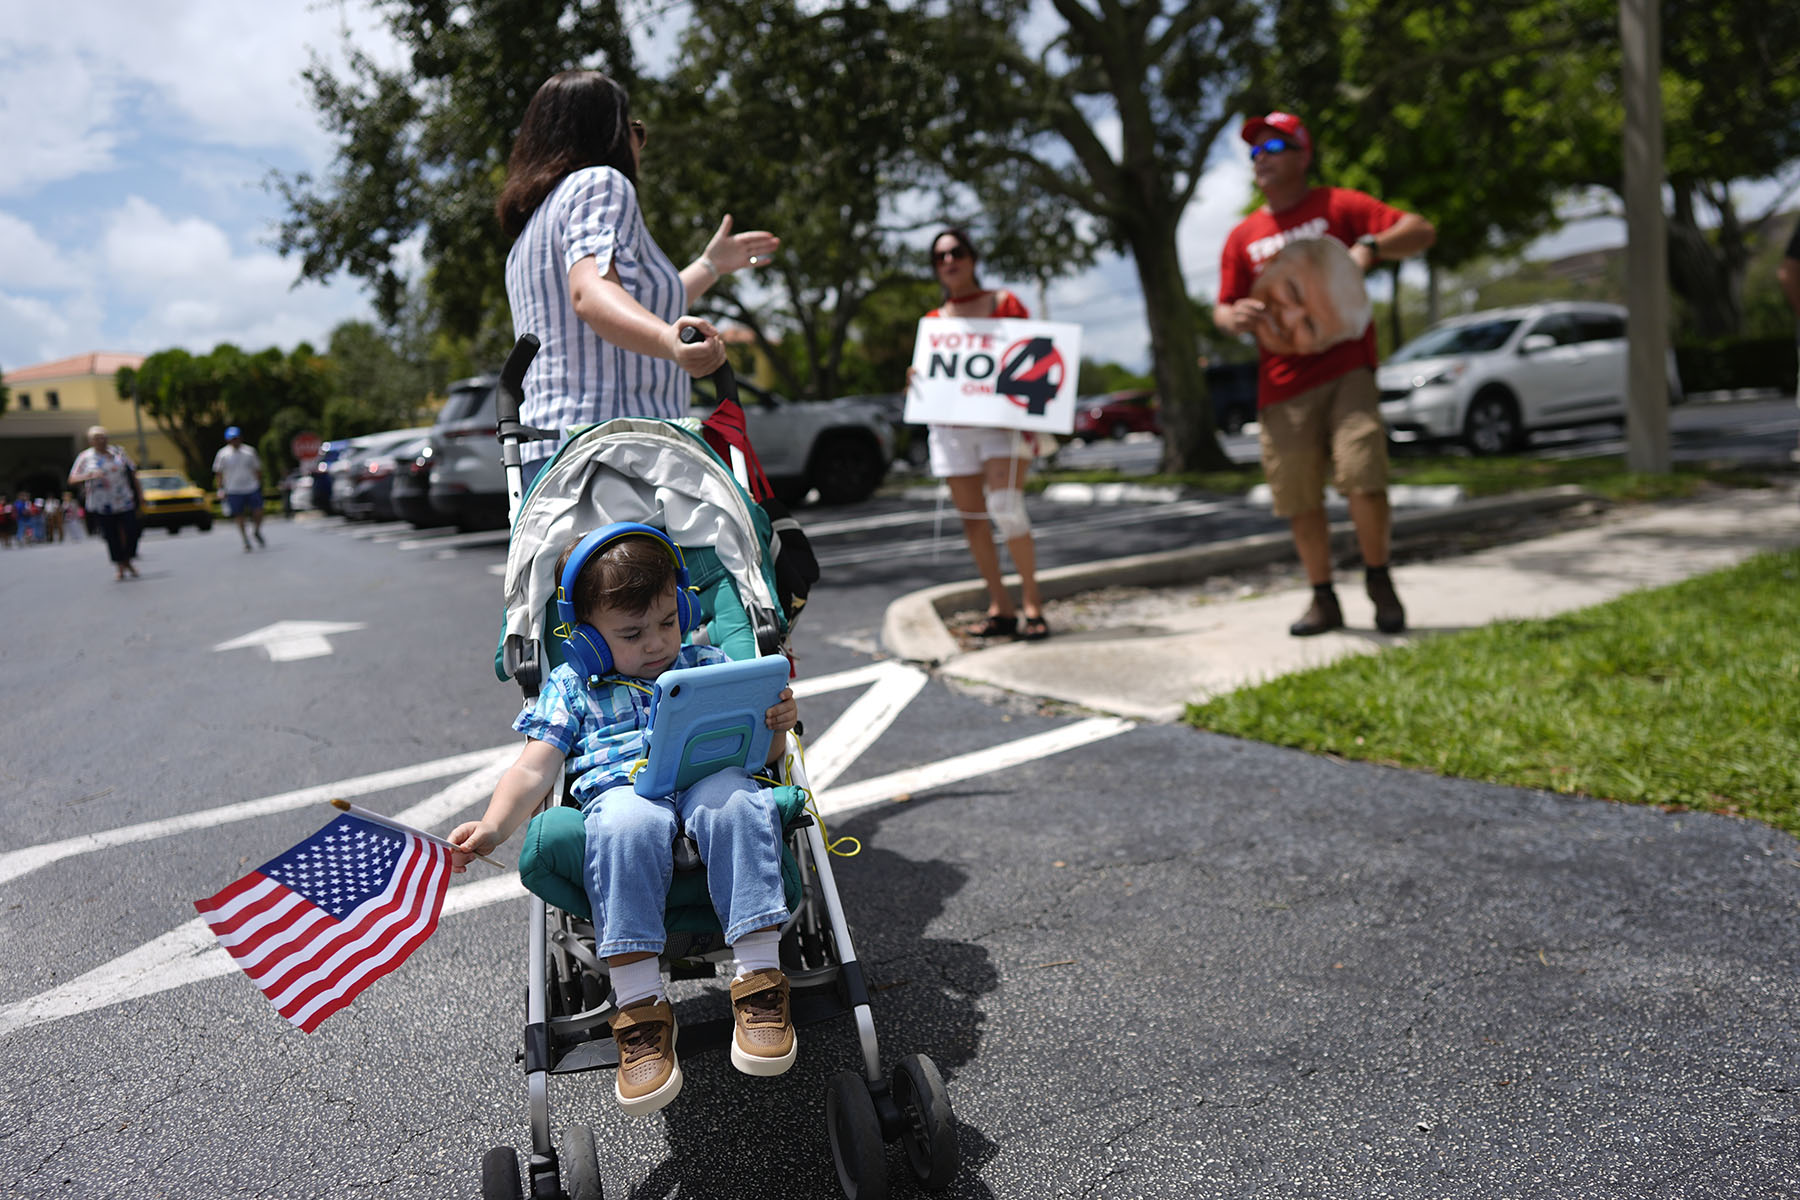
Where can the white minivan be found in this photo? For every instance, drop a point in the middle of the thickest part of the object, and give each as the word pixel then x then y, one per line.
pixel 1490 379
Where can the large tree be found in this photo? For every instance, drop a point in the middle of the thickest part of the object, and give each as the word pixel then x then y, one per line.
pixel 1483 117
pixel 422 149
pixel 827 126
pixel 1115 117
pixel 193 398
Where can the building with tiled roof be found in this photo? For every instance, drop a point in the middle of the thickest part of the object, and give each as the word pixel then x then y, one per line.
pixel 48 413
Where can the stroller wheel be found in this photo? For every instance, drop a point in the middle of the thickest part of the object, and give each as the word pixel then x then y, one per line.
pixel 855 1130
pixel 580 1164
pixel 500 1175
pixel 929 1133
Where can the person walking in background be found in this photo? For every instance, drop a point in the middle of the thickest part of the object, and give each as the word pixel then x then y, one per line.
pixel 586 277
pixel 1317 404
pixel 74 517
pixel 237 473
pixel 9 523
pixel 986 469
pixel 113 497
pixel 53 518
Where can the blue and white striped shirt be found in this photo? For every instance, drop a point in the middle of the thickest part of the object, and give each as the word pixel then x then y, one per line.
pixel 576 377
pixel 599 730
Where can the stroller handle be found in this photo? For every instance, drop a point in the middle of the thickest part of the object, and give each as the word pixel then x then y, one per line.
pixel 722 379
pixel 512 378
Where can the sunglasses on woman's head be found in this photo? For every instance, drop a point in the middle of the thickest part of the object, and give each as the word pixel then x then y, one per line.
pixel 953 253
pixel 1272 146
pixel 639 134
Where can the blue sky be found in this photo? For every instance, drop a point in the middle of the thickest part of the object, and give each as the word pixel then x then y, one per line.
pixel 137 140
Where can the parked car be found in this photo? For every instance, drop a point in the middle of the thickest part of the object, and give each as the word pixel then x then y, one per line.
pixel 321 472
pixel 410 493
pixel 346 471
pixel 911 444
pixel 1493 378
pixel 173 502
pixel 841 447
pixel 1115 414
pixel 1232 387
pixel 467 483
pixel 372 478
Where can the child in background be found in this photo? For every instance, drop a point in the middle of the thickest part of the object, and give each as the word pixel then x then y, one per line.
pixel 623 586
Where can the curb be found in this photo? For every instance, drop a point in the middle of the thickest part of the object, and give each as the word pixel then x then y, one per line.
pixel 913 626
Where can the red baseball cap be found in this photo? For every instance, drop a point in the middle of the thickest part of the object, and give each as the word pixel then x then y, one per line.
pixel 1277 122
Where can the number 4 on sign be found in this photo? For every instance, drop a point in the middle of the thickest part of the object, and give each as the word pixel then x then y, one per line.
pixel 286 641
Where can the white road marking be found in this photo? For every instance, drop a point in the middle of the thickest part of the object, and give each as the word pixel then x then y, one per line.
pixel 286 641
pixel 14 863
pixel 190 954
pixel 869 792
pixel 951 536
pixel 868 717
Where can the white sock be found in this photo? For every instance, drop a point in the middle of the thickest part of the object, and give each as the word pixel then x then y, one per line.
pixel 641 980
pixel 759 951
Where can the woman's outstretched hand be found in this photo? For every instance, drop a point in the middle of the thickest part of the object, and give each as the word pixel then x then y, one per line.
pixel 734 251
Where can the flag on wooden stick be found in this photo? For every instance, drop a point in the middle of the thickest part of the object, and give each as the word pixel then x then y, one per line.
pixel 315 926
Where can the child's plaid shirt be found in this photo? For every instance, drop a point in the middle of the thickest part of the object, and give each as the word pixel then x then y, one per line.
pixel 600 730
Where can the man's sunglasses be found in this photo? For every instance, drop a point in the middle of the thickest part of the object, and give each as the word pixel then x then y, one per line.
pixel 1272 146
pixel 953 253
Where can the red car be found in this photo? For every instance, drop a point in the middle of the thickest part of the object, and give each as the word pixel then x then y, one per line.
pixel 1116 414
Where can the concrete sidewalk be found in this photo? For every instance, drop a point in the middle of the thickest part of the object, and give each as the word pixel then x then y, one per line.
pixel 1178 649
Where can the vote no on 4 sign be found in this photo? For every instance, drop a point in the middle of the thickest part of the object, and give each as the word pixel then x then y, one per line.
pixel 1008 374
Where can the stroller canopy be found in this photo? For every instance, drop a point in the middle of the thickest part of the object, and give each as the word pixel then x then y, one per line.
pixel 633 469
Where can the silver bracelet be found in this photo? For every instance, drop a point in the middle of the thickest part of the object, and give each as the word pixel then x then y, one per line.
pixel 707 262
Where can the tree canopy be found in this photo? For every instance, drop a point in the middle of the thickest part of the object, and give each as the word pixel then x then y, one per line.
pixel 193 398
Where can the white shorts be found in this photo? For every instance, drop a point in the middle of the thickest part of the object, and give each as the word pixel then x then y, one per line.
pixel 961 449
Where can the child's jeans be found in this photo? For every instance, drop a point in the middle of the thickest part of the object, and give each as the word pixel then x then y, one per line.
pixel 630 859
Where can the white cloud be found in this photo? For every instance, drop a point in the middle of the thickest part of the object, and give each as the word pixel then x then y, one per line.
pixel 30 261
pixel 56 118
pixel 198 287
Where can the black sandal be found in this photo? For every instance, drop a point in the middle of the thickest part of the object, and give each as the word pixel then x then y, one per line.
pixel 996 626
pixel 1035 629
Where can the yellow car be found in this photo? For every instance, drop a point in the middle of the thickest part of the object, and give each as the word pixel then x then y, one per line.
pixel 171 502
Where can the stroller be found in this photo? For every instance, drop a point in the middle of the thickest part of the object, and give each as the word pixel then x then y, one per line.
pixel 664 473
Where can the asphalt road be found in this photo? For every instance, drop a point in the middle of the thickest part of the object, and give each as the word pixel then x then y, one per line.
pixel 1153 963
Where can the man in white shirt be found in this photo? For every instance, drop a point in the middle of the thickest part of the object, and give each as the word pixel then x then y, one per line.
pixel 237 473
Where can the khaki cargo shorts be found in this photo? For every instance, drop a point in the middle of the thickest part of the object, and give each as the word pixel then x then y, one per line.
pixel 1337 424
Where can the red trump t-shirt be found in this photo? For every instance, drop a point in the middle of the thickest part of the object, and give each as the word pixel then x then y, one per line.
pixel 1341 213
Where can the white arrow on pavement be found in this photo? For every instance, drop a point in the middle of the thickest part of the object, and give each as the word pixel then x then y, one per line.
pixel 288 640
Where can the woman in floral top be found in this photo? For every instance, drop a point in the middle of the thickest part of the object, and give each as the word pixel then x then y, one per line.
pixel 113 497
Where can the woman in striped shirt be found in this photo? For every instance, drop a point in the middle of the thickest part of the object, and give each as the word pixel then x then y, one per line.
pixel 585 276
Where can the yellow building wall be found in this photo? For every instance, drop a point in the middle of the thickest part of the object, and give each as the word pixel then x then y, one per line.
pixel 40 443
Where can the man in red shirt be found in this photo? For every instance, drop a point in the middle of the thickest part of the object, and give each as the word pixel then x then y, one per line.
pixel 1316 397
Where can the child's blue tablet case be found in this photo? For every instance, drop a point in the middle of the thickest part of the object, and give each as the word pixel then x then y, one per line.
pixel 705 719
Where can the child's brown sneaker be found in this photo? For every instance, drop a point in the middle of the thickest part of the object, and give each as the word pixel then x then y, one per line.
pixel 649 1077
pixel 763 1042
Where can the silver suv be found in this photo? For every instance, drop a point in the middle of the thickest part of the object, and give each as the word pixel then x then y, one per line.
pixel 841 447
pixel 1492 378
pixel 468 483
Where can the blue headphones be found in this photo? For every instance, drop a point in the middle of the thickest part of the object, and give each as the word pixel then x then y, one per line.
pixel 583 647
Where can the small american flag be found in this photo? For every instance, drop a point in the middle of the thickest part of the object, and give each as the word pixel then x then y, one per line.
pixel 317 925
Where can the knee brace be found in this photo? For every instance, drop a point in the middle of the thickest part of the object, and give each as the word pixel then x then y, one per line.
pixel 1006 509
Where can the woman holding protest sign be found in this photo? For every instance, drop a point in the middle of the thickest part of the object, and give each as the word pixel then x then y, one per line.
pixel 585 276
pixel 985 469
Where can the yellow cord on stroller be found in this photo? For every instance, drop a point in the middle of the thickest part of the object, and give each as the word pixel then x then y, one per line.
pixel 812 806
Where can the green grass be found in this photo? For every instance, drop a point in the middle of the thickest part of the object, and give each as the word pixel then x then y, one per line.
pixel 1685 696
pixel 1604 476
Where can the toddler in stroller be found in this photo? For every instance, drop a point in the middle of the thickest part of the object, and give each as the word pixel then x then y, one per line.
pixel 624 604
pixel 748 571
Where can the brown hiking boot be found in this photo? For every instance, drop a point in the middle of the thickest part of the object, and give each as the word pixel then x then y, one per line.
pixel 649 1077
pixel 763 1042
pixel 1322 617
pixel 1390 617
